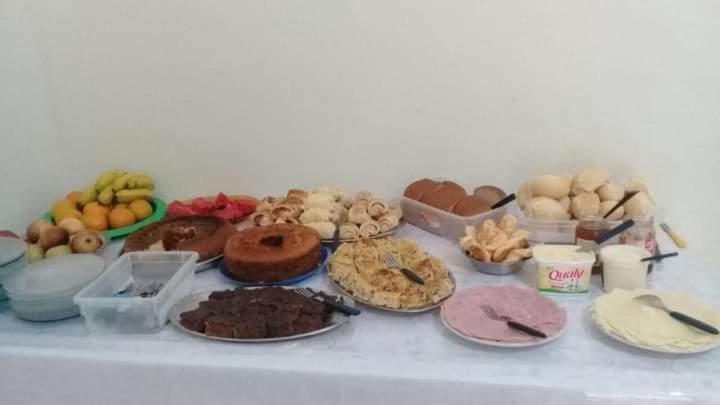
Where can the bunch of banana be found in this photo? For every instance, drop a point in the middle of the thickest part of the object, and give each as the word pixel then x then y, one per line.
pixel 119 185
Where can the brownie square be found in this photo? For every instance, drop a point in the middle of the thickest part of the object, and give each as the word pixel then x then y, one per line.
pixel 250 328
pixel 308 323
pixel 219 326
pixel 195 319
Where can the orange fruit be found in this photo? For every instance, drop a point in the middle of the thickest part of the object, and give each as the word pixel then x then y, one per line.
pixel 95 221
pixel 73 196
pixel 121 217
pixel 66 213
pixel 121 205
pixel 141 208
pixel 96 208
pixel 61 205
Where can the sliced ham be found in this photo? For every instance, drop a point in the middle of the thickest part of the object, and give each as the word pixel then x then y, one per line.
pixel 464 314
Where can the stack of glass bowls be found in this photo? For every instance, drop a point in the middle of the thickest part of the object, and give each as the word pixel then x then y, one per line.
pixel 44 290
pixel 12 259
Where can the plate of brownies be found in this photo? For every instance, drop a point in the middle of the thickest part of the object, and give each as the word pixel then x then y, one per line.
pixel 257 314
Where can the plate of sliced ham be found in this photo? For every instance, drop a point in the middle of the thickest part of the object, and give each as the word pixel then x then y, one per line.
pixel 463 315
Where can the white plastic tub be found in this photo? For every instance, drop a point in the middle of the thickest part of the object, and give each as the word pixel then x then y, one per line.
pixel 443 223
pixel 108 304
pixel 623 268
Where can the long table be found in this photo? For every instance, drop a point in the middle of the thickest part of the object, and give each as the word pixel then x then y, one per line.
pixel 377 358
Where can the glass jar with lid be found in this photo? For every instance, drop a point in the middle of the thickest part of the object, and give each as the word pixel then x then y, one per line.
pixel 587 230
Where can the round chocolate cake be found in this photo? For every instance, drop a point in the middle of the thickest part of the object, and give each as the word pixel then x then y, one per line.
pixel 204 234
pixel 272 253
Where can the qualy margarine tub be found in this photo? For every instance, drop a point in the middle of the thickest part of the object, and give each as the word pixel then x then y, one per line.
pixel 561 269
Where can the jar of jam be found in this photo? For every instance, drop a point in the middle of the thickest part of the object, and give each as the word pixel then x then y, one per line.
pixel 587 230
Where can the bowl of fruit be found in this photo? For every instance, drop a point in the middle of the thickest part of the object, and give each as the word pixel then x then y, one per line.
pixel 117 204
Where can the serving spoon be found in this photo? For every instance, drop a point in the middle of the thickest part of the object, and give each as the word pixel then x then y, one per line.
pixel 656 302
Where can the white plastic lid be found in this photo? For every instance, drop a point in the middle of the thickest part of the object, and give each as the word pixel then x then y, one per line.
pixel 55 276
pixel 10 249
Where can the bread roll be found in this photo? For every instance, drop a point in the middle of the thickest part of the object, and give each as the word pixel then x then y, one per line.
pixel 589 180
pixel 636 183
pixel 316 215
pixel 388 222
pixel 417 188
pixel 611 191
pixel 319 200
pixel 325 229
pixel 585 204
pixel 550 186
pixel 449 185
pixel 565 202
pixel 490 194
pixel 638 206
pixel 606 205
pixel 524 195
pixel 471 205
pixel 445 199
pixel 547 209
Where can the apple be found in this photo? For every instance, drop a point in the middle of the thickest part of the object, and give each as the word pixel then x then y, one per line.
pixel 34 253
pixel 53 236
pixel 35 229
pixel 86 242
pixel 60 250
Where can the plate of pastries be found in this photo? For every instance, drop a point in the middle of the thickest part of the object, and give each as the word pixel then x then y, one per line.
pixel 334 213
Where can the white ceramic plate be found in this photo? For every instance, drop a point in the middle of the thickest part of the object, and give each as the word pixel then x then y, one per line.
pixel 495 343
pixel 192 302
pixel 425 308
pixel 208 264
pixel 621 339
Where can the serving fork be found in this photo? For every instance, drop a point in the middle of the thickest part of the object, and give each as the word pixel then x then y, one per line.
pixel 345 309
pixel 392 261
pixel 490 312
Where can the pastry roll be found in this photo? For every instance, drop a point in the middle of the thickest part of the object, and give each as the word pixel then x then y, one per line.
pixel 287 220
pixel 266 204
pixel 349 231
pixel 377 208
pixel 369 228
pixel 285 211
pixel 342 215
pixel 316 215
pixel 395 210
pixel 363 196
pixel 297 194
pixel 262 218
pixel 317 200
pixel 325 229
pixel 388 222
pixel 358 215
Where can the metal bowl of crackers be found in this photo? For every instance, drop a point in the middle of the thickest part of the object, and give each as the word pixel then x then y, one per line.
pixel 496 269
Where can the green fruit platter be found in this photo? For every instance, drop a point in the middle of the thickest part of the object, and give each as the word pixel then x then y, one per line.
pixel 159 208
pixel 117 203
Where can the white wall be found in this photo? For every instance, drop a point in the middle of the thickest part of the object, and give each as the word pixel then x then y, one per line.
pixel 256 96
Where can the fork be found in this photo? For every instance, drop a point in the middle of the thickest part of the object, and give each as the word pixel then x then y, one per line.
pixel 490 312
pixel 345 309
pixel 392 261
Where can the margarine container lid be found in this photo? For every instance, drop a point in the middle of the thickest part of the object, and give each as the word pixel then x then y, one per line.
pixel 55 276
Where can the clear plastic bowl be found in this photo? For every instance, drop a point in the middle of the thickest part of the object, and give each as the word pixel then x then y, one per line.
pixel 107 306
pixel 44 290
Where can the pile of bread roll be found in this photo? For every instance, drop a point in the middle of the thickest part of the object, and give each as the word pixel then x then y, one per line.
pixel 499 243
pixel 329 210
pixel 589 193
pixel 452 197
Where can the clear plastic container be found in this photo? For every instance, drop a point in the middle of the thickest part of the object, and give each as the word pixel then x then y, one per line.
pixel 443 223
pixel 554 232
pixel 12 259
pixel 112 304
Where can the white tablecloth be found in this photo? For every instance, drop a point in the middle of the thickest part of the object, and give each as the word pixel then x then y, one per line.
pixel 377 358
